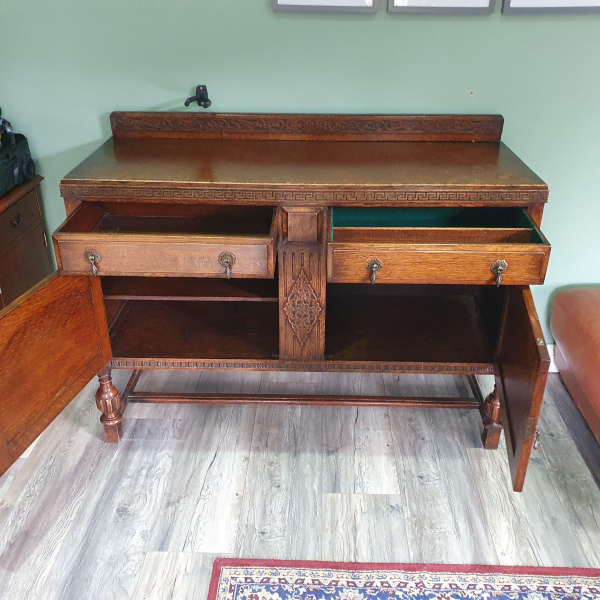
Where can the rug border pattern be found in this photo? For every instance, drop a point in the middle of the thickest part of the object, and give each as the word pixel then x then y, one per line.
pixel 499 570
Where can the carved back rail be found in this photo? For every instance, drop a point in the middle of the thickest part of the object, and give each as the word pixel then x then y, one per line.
pixel 392 128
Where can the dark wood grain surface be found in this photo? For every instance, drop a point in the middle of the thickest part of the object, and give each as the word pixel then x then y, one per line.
pixel 302 283
pixel 20 216
pixel 190 289
pixel 522 369
pixel 426 327
pixel 25 263
pixel 168 217
pixel 278 158
pixel 14 195
pixel 290 126
pixel 198 330
pixel 288 163
pixel 24 256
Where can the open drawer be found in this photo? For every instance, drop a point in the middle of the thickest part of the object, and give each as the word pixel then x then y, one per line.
pixel 167 240
pixel 436 245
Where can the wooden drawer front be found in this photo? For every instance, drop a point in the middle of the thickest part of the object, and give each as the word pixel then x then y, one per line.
pixel 165 256
pixel 347 263
pixel 168 240
pixel 436 245
pixel 17 219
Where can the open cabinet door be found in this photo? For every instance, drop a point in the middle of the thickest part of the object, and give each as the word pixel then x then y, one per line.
pixel 52 342
pixel 522 364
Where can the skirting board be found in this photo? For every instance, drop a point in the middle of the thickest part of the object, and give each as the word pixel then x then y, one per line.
pixel 551 348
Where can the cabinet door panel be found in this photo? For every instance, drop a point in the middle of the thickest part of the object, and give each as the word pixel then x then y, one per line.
pixel 52 341
pixel 522 364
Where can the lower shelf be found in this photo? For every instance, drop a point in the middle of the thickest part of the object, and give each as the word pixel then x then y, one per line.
pixel 187 289
pixel 376 329
pixel 208 330
pixel 406 324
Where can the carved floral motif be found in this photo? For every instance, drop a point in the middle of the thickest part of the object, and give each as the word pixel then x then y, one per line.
pixel 302 308
pixel 293 126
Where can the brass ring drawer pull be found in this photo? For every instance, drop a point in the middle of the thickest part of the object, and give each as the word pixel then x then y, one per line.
pixel 227 260
pixel 498 267
pixel 17 220
pixel 374 265
pixel 93 257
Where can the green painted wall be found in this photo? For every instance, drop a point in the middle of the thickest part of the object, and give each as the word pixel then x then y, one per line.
pixel 66 64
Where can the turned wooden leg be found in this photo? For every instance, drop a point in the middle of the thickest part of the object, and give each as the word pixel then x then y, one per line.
pixel 109 404
pixel 492 424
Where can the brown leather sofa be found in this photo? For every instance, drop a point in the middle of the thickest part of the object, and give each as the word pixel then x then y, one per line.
pixel 576 329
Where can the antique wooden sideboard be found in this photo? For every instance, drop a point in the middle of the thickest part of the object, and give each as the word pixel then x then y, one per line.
pixel 366 243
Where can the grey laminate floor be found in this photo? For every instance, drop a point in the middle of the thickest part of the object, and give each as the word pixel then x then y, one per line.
pixel 145 518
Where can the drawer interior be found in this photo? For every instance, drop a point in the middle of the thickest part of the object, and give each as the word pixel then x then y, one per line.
pixel 434 225
pixel 148 218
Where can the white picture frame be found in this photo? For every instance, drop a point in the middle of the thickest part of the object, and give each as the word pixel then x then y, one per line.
pixel 556 7
pixel 471 7
pixel 326 6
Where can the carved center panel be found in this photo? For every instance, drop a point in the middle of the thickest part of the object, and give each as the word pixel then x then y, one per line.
pixel 302 308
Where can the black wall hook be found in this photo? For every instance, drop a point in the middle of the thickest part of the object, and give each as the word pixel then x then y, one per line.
pixel 201 97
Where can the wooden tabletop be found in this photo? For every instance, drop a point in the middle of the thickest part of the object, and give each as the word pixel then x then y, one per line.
pixel 154 164
pixel 406 164
pixel 16 193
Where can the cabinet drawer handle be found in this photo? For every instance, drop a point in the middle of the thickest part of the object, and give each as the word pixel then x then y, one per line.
pixel 93 257
pixel 374 265
pixel 498 267
pixel 17 220
pixel 227 260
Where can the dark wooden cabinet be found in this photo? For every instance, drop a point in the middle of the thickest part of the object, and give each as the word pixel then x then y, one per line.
pixel 383 244
pixel 24 256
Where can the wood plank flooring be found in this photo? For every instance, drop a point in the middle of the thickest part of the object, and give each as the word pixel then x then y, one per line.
pixel 145 518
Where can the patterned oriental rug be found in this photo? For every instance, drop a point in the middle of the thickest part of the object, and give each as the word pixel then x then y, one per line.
pixel 239 579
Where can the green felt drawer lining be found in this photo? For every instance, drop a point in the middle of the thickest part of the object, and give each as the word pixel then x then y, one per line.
pixel 432 217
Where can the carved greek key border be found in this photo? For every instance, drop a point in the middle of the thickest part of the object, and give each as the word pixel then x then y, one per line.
pixel 304 196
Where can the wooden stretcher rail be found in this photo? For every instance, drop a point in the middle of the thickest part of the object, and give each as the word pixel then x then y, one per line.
pixel 321 400
pixel 133 396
